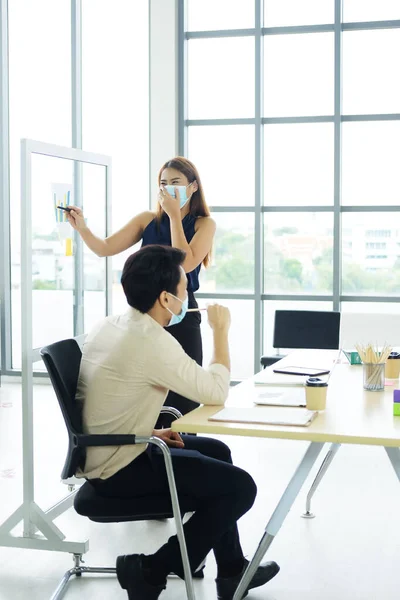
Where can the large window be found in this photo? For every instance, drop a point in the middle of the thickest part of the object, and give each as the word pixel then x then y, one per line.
pixel 292 116
pixel 72 78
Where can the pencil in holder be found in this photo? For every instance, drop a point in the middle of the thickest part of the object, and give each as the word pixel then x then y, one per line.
pixel 374 376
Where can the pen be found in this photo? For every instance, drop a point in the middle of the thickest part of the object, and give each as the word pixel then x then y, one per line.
pixel 64 208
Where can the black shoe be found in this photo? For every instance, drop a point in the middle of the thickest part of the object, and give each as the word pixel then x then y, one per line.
pixel 131 577
pixel 226 586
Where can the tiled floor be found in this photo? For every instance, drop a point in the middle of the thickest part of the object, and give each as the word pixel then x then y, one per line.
pixel 349 552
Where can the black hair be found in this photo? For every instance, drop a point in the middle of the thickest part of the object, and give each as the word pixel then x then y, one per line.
pixel 150 271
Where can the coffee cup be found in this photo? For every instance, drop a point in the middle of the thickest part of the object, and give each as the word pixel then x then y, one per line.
pixel 392 367
pixel 316 390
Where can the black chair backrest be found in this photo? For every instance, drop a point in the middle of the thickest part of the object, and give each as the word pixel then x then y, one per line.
pixel 62 361
pixel 307 329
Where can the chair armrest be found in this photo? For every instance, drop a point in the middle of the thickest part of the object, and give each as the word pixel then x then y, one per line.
pixel 170 410
pixel 267 361
pixel 118 439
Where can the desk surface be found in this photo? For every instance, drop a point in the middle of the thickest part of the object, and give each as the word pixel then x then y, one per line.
pixel 352 415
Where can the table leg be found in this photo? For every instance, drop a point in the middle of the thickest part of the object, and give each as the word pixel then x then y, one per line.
pixel 280 513
pixel 323 469
pixel 394 457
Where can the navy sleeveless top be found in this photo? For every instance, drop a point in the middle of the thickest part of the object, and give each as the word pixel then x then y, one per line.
pixel 159 232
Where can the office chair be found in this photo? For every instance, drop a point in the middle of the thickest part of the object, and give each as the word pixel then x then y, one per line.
pixel 62 361
pixel 307 329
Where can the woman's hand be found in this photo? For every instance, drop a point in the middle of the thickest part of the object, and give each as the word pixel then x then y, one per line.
pixel 171 438
pixel 171 205
pixel 76 218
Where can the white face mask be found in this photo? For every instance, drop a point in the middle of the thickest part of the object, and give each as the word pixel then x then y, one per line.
pixel 182 192
pixel 175 319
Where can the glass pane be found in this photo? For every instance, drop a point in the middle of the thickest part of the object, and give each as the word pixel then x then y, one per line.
pixel 232 267
pixel 371 254
pixel 221 78
pixel 217 152
pixel 298 164
pixel 281 13
pixel 298 251
pixel 370 165
pixel 270 306
pixel 370 66
pixel 52 269
pixel 370 10
pixel 94 270
pixel 241 337
pixel 299 75
pixel 204 15
pixel 37 77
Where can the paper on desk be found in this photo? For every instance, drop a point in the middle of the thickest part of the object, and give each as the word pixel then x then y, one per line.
pixel 278 396
pixel 266 415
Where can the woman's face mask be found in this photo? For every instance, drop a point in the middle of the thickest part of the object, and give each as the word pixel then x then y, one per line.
pixel 182 192
pixel 175 319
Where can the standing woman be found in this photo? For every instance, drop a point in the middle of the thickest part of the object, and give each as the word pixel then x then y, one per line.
pixel 182 220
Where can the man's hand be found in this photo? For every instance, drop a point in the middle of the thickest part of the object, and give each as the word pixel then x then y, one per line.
pixel 171 438
pixel 219 317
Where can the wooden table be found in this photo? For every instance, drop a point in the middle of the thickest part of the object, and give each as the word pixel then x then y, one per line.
pixel 352 416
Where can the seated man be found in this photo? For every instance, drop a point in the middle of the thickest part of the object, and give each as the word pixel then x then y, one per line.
pixel 129 364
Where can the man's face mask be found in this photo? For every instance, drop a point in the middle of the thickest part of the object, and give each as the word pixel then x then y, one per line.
pixel 175 319
pixel 182 192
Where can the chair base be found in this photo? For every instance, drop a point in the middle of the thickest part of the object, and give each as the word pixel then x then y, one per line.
pixel 79 570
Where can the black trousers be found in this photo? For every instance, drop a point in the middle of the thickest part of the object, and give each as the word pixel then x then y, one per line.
pixel 203 470
pixel 188 334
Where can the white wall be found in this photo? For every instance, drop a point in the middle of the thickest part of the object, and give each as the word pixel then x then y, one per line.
pixel 163 53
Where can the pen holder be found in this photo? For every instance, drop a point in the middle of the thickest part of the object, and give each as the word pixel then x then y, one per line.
pixel 392 369
pixel 316 391
pixel 374 376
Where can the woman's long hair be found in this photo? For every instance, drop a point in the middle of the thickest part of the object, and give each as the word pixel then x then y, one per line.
pixel 197 204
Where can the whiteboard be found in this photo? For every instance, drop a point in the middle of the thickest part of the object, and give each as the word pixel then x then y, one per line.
pixel 369 327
